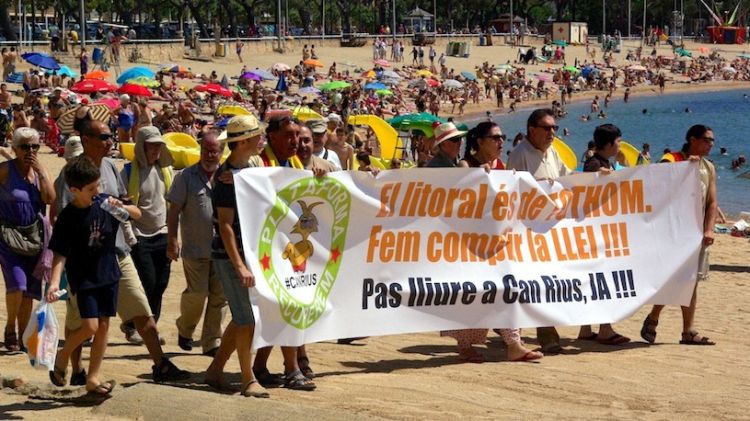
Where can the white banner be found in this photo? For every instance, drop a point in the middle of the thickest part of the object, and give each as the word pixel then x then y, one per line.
pixel 418 250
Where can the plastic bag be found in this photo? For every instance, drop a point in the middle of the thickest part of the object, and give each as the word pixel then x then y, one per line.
pixel 41 336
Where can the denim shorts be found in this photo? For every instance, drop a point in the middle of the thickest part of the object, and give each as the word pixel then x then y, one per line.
pixel 237 296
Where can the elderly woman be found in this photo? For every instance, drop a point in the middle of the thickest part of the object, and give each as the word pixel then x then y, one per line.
pixel 25 190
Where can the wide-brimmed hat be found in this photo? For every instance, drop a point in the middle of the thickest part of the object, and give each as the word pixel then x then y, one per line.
pixel 446 131
pixel 73 148
pixel 241 127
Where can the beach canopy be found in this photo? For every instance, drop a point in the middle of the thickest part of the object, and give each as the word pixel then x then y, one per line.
pixel 89 86
pixel 97 74
pixel 312 63
pixel 135 72
pixel 546 78
pixel 63 71
pixel 336 84
pixel 134 90
pixel 375 86
pixel 41 60
pixel 468 75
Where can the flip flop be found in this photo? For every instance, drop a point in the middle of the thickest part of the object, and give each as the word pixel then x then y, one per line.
pixel 103 389
pixel 615 339
pixel 529 356
pixel 57 377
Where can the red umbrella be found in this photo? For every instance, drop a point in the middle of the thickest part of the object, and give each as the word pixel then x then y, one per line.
pixel 89 86
pixel 213 88
pixel 432 82
pixel 134 90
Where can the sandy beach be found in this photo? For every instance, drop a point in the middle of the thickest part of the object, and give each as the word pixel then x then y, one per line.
pixel 417 376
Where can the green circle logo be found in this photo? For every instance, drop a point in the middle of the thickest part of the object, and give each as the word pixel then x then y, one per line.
pixel 289 269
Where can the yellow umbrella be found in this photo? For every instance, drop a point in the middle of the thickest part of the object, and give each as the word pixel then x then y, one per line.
pixel 306 113
pixel 233 110
pixel 144 81
pixel 425 73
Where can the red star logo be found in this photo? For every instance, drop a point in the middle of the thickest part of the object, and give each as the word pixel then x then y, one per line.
pixel 335 253
pixel 266 262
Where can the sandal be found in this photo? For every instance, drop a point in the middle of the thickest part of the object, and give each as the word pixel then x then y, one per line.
pixel 529 356
pixel 103 389
pixel 694 338
pixel 258 391
pixel 297 381
pixel 304 367
pixel 11 341
pixel 268 380
pixel 78 379
pixel 57 377
pixel 648 331
pixel 220 385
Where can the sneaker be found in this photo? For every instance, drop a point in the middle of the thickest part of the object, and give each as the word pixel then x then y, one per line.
pixel 131 335
pixel 168 372
pixel 186 344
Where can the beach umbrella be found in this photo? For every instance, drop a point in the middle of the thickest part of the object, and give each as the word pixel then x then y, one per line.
pixel 468 75
pixel 281 84
pixel 215 89
pixel 453 83
pixel 97 74
pixel 560 42
pixel 433 82
pixel 382 63
pixel 280 67
pixel 375 86
pixel 173 68
pixel 134 90
pixel 63 71
pixel 305 113
pixel 41 60
pixel 418 83
pixel 571 69
pixel 744 55
pixel 111 103
pixel 337 84
pixel 406 121
pixel 99 112
pixel 391 74
pixel 587 70
pixel 252 76
pixel 265 74
pixel 384 92
pixel 307 90
pixel 683 52
pixel 423 72
pixel 312 63
pixel 232 110
pixel 144 81
pixel 89 86
pixel 135 72
pixel 224 81
pixel 505 66
pixel 166 66
pixel 368 74
pixel 728 69
pixel 390 81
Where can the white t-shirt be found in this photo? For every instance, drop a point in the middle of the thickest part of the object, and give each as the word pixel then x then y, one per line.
pixel 331 157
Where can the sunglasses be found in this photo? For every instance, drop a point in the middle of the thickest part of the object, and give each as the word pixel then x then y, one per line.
pixel 105 136
pixel 709 139
pixel 30 147
pixel 497 137
pixel 548 128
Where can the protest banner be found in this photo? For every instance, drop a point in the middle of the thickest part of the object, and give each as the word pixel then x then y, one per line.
pixel 351 254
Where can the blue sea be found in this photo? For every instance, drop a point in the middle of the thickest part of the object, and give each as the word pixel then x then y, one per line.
pixel 664 126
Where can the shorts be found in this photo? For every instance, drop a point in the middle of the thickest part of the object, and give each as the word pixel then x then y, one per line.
pixel 98 302
pixel 17 273
pixel 131 297
pixel 237 296
pixel 703 264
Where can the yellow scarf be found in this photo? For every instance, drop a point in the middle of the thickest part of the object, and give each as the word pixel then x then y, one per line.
pixel 269 159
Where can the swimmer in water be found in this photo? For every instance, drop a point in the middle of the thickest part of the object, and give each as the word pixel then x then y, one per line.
pixel 687 110
pixel 645 111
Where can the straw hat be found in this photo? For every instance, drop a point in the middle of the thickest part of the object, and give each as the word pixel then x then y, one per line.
pixel 241 127
pixel 446 131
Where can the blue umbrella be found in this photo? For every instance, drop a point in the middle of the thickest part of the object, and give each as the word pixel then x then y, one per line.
pixel 375 86
pixel 468 75
pixel 281 85
pixel 588 69
pixel 64 71
pixel 223 123
pixel 135 72
pixel 41 60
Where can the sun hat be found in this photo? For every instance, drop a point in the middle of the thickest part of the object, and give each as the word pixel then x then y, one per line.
pixel 446 131
pixel 149 134
pixel 241 127
pixel 317 126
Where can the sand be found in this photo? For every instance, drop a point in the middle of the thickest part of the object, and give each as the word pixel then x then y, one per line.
pixel 418 376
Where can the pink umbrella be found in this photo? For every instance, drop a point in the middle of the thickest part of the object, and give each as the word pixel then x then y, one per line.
pixel 383 63
pixel 112 103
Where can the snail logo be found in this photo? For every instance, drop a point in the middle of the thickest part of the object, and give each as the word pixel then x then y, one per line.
pixel 301 272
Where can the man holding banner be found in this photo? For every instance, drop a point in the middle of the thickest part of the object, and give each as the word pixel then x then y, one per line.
pixel 537 156
pixel 698 143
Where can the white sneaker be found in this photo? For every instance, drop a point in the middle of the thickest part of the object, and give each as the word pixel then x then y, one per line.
pixel 131 335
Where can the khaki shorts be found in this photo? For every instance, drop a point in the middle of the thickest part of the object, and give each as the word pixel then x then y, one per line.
pixel 131 297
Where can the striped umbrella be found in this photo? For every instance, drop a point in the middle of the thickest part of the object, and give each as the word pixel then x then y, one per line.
pixel 99 112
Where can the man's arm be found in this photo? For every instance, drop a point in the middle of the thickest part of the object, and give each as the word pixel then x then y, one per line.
pixel 712 209
pixel 173 222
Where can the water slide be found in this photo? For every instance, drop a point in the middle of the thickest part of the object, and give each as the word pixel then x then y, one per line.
pixel 387 135
pixel 566 153
pixel 631 153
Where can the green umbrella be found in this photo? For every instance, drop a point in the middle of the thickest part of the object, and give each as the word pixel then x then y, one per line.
pixel 571 69
pixel 407 121
pixel 560 42
pixel 746 56
pixel 384 92
pixel 337 84
pixel 683 52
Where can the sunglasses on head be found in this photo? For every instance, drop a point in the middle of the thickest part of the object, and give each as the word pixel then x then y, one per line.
pixel 30 147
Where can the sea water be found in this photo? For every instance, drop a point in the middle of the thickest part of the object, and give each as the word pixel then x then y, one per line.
pixel 663 125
